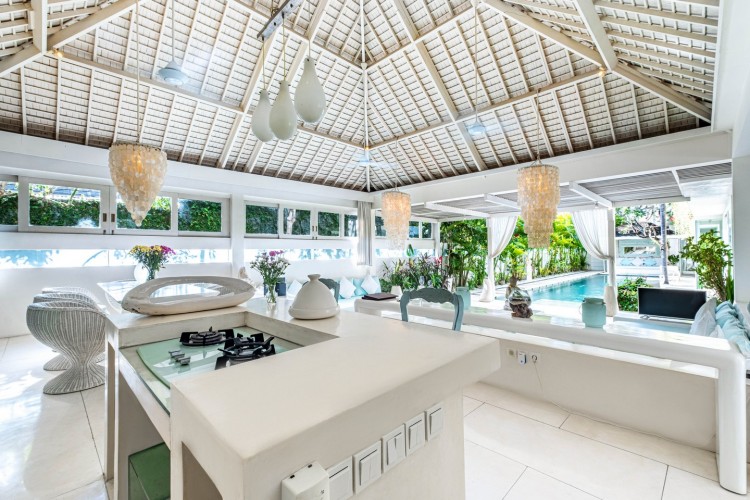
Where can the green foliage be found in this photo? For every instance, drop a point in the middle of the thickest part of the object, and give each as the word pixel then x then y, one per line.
pixel 8 208
pixel 299 220
pixel 712 259
pixel 199 215
pixel 70 213
pixel 261 220
pixel 465 249
pixel 159 216
pixel 328 224
pixel 673 259
pixel 417 269
pixel 627 293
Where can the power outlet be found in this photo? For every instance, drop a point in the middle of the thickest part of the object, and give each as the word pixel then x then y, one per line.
pixel 521 358
pixel 534 357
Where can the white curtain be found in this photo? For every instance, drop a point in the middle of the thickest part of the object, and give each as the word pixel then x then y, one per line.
pixel 499 232
pixel 593 228
pixel 364 233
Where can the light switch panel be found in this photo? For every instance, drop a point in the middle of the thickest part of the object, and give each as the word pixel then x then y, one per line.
pixel 394 447
pixel 341 480
pixel 415 433
pixel 434 417
pixel 367 466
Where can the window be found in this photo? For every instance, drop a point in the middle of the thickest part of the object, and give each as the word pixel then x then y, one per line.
pixel 329 224
pixel 261 219
pixel 297 222
pixel 379 227
pixel 68 206
pixel 159 217
pixel 8 203
pixel 203 216
pixel 350 225
pixel 413 229
pixel 427 230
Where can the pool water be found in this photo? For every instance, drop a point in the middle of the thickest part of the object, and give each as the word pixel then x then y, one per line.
pixel 573 291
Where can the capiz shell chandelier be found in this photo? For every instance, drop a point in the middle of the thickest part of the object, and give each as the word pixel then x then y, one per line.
pixel 138 173
pixel 538 197
pixel 396 209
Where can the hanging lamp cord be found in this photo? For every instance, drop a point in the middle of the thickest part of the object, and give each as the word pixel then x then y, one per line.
pixel 138 66
pixel 538 124
pixel 173 14
pixel 476 58
pixel 283 32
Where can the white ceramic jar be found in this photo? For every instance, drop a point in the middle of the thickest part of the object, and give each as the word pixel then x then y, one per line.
pixel 314 301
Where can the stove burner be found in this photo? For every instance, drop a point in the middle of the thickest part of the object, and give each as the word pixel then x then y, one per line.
pixel 202 339
pixel 241 349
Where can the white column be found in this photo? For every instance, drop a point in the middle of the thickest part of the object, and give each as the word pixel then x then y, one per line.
pixel 741 228
pixel 237 232
pixel 610 292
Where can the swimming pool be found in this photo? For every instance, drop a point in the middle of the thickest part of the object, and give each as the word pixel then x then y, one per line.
pixel 573 291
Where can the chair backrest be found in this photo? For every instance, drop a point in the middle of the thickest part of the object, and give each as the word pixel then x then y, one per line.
pixel 439 295
pixel 78 298
pixel 66 319
pixel 332 285
pixel 68 289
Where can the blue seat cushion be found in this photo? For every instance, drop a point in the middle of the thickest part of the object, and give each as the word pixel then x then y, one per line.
pixel 358 290
pixel 724 312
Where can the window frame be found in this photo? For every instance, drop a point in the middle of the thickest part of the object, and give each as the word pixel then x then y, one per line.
pixel 313 220
pixel 343 225
pixel 172 231
pixel 224 215
pixel 12 227
pixel 315 228
pixel 279 216
pixel 24 206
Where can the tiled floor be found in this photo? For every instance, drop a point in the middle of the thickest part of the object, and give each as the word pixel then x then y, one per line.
pixel 516 448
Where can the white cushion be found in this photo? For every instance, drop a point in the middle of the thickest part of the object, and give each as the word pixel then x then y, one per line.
pixel 705 319
pixel 294 288
pixel 371 285
pixel 346 288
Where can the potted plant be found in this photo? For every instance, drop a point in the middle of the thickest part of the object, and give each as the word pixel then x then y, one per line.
pixel 152 258
pixel 712 259
pixel 271 266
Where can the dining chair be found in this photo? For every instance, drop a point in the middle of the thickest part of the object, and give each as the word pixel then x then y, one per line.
pixel 437 295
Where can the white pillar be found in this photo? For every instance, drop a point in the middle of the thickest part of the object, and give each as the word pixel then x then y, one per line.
pixel 237 232
pixel 741 228
pixel 610 292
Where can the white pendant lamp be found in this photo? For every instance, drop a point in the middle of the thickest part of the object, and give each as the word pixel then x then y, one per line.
pixel 283 119
pixel 172 72
pixel 309 99
pixel 396 209
pixel 137 170
pixel 261 116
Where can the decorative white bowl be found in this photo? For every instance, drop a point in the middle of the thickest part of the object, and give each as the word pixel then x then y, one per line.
pixel 314 301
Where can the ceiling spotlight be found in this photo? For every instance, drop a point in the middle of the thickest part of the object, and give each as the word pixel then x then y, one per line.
pixel 477 128
pixel 602 72
pixel 172 74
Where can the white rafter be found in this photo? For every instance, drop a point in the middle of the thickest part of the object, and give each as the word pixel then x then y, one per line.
pixel 587 193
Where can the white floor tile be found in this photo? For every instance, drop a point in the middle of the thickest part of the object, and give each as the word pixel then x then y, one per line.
pixel 684 457
pixel 93 400
pixel 470 405
pixel 596 468
pixel 3 344
pixel 533 485
pixel 94 491
pixel 489 475
pixel 46 447
pixel 532 408
pixel 24 347
pixel 681 485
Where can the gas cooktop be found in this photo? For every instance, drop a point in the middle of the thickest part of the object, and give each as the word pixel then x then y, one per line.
pixel 199 352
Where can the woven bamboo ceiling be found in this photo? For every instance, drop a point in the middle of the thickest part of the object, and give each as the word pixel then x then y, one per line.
pixel 420 55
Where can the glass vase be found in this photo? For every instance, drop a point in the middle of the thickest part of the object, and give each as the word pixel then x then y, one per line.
pixel 271 295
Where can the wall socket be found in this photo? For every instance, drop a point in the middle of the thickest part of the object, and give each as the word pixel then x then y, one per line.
pixel 521 356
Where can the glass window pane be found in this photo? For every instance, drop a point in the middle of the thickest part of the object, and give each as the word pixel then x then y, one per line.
pixel 413 229
pixel 329 224
pixel 199 215
pixel 427 230
pixel 8 203
pixel 261 220
pixel 62 206
pixel 379 226
pixel 296 221
pixel 350 225
pixel 159 217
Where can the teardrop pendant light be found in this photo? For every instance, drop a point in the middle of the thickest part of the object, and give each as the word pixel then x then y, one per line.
pixel 283 119
pixel 261 116
pixel 309 99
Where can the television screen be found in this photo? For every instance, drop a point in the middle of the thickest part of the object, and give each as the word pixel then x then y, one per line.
pixel 670 302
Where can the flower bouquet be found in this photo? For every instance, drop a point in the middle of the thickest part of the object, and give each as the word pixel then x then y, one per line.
pixel 151 257
pixel 271 266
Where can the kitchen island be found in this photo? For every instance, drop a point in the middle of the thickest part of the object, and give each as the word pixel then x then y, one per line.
pixel 356 382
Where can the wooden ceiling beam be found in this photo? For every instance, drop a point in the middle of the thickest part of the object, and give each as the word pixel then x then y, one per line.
pixel 587 193
pixel 664 14
pixel 663 44
pixel 659 29
pixel 596 29
pixel 663 56
pixel 39 14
